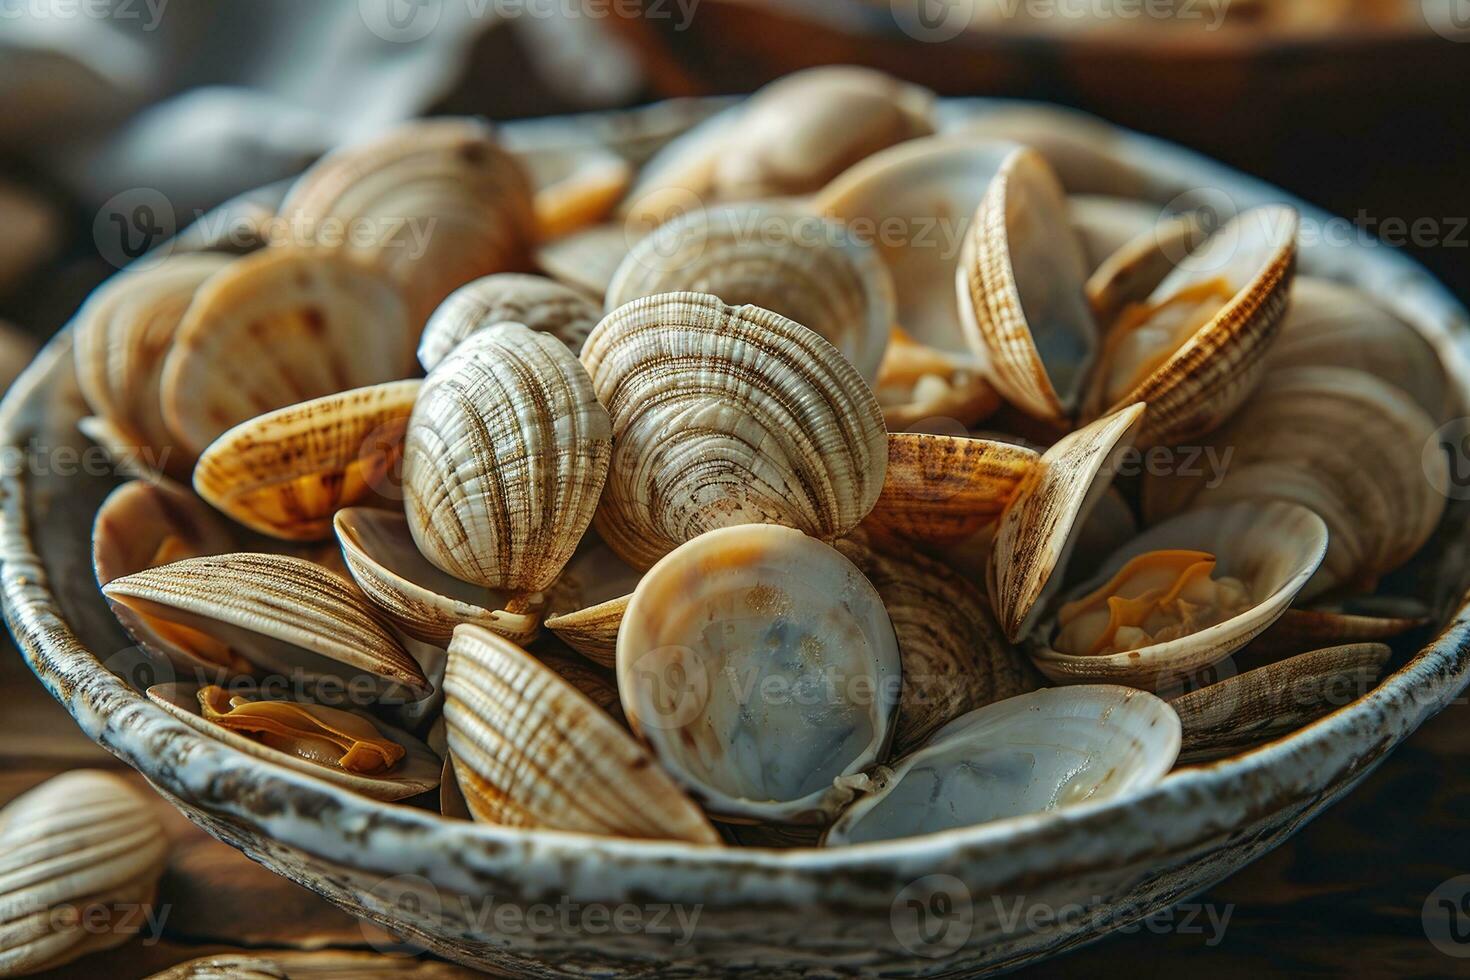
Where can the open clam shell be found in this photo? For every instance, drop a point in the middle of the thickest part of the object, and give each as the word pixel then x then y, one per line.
pixel 276 328
pixel 1131 273
pixel 1258 706
pixel 954 657
pixel 1270 548
pixel 530 750
pixel 918 384
pixel 728 415
pixel 1027 755
pixel 508 297
pixel 1342 442
pixel 416 772
pixel 421 600
pixel 433 203
pixel 761 667
pixel 802 266
pixel 283 614
pixel 943 491
pixel 122 335
pixel 506 455
pixel 586 260
pixel 1040 527
pixel 146 523
pixel 83 842
pixel 285 473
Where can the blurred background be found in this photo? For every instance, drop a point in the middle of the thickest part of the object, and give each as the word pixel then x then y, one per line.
pixel 173 106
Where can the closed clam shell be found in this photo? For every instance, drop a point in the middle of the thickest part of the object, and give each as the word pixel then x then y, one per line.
pixel 1020 283
pixel 417 772
pixel 1330 324
pixel 760 666
pixel 1272 548
pixel 1030 754
pixel 421 600
pixel 1194 386
pixel 914 202
pixel 1342 442
pixel 507 452
pixel 508 297
pixel 530 750
pixel 954 657
pixel 802 266
pixel 588 600
pixel 573 186
pixel 1040 527
pixel 433 203
pixel 728 415
pixel 83 843
pixel 122 335
pixel 285 473
pixel 146 523
pixel 586 260
pixel 1250 709
pixel 283 614
pixel 942 491
pixel 276 328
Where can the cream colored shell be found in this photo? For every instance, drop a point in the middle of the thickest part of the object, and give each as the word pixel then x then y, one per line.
pixel 508 297
pixel 728 415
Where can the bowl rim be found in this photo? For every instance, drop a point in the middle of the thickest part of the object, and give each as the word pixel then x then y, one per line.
pixel 1177 817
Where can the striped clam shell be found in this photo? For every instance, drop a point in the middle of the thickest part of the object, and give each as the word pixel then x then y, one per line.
pixel 506 456
pixel 728 415
pixel 508 297
pixel 81 846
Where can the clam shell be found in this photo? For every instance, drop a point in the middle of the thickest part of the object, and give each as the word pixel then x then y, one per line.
pixel 506 456
pixel 761 668
pixel 417 772
pixel 587 259
pixel 1250 709
pixel 1027 755
pixel 1040 527
pixel 1329 324
pixel 81 842
pixel 574 186
pixel 593 630
pixel 728 415
pixel 917 385
pixel 1272 547
pixel 508 297
pixel 122 335
pixel 1104 224
pixel 790 262
pixel 1020 284
pixel 589 600
pixel 285 473
pixel 283 614
pixel 439 202
pixel 1365 619
pixel 422 601
pixel 1342 442
pixel 954 657
pixel 916 200
pixel 1136 268
pixel 1206 379
pixel 277 328
pixel 943 491
pixel 532 751
pixel 1083 151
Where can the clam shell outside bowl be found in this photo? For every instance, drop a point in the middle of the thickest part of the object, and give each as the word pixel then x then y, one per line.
pixel 761 912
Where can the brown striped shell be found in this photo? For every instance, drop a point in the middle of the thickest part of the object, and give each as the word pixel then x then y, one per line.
pixel 728 415
pixel 285 473
pixel 279 327
pixel 508 297
pixel 122 335
pixel 505 459
pixel 433 203
pixel 530 750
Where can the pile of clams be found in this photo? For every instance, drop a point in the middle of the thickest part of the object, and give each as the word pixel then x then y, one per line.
pixel 830 478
